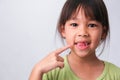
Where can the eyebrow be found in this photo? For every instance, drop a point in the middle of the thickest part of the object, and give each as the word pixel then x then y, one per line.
pixel 76 18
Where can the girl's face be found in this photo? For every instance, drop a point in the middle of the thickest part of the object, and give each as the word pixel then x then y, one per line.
pixel 83 33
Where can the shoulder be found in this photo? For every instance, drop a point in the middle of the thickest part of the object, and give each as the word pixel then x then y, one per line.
pixel 112 67
pixel 112 72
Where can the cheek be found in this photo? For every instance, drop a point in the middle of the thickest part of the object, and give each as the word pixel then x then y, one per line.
pixel 69 39
pixel 97 38
pixel 69 36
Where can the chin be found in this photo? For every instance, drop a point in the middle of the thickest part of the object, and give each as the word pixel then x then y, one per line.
pixel 82 53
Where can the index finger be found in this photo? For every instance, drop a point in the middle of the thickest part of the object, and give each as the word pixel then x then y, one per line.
pixel 60 50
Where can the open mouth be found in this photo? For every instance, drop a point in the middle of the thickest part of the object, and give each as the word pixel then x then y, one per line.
pixel 82 45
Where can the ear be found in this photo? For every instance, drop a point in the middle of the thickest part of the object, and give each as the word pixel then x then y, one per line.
pixel 104 33
pixel 62 31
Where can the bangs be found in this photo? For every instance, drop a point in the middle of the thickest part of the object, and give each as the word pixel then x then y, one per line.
pixel 87 11
pixel 92 9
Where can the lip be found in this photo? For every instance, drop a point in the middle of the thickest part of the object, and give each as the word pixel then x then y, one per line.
pixel 82 45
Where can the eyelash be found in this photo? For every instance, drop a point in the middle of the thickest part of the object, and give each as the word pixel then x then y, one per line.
pixel 74 24
pixel 92 25
pixel 89 25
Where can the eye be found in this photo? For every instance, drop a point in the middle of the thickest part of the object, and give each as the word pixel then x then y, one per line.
pixel 74 24
pixel 92 25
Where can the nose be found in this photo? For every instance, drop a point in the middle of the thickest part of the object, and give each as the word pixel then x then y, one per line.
pixel 82 32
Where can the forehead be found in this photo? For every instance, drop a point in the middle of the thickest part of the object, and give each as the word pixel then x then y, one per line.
pixel 84 13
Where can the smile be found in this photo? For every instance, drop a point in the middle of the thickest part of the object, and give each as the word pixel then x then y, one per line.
pixel 82 45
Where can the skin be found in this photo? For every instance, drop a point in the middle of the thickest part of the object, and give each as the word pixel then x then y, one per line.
pixel 85 35
pixel 50 62
pixel 81 29
pixel 82 35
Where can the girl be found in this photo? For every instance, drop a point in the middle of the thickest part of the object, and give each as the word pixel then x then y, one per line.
pixel 84 25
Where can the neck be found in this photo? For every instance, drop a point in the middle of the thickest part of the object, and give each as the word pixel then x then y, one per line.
pixel 86 67
pixel 88 60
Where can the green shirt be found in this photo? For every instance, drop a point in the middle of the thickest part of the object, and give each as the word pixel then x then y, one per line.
pixel 110 72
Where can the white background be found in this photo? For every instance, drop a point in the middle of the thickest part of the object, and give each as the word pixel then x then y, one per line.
pixel 27 29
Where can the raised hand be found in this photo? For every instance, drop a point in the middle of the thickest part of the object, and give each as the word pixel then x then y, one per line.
pixel 51 61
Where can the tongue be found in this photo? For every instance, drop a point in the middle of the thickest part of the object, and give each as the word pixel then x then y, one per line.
pixel 82 45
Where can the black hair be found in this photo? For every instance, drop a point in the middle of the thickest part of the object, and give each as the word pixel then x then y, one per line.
pixel 95 9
